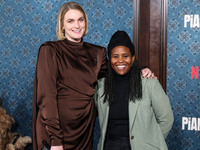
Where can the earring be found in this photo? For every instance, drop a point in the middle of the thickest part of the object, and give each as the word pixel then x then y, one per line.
pixel 63 31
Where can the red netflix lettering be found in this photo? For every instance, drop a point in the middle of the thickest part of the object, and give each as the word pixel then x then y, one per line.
pixel 194 73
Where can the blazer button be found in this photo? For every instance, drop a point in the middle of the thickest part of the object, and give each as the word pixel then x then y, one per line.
pixel 132 137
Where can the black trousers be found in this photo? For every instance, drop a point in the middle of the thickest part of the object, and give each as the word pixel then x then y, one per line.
pixel 116 143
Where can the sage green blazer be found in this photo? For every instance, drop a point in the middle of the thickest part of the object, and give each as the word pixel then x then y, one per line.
pixel 150 118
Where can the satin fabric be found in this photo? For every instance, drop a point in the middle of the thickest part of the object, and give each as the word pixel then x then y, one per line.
pixel 63 107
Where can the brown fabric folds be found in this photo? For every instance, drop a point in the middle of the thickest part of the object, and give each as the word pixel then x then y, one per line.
pixel 63 107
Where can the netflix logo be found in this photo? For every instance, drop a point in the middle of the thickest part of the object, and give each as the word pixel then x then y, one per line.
pixel 194 72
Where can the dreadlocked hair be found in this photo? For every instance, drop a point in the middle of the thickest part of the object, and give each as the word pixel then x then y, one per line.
pixel 135 84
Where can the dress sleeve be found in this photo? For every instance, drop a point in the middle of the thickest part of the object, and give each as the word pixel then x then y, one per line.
pixel 162 108
pixel 47 73
pixel 103 69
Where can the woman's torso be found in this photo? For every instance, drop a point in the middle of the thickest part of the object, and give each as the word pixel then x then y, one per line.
pixel 78 69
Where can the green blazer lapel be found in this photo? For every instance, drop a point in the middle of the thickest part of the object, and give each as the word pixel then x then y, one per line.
pixel 105 107
pixel 103 120
pixel 133 106
pixel 100 95
pixel 132 112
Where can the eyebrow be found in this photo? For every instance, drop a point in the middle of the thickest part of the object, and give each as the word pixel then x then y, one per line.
pixel 74 19
pixel 122 54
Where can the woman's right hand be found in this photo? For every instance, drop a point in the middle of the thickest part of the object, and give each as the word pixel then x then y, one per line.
pixel 56 148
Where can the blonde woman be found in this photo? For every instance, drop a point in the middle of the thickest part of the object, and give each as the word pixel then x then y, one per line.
pixel 66 73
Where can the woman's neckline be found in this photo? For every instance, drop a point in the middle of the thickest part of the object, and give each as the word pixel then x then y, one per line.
pixel 76 44
pixel 118 77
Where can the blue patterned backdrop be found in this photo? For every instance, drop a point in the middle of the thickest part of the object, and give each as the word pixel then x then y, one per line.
pixel 183 51
pixel 25 25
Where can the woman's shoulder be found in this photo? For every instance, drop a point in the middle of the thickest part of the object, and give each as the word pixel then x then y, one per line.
pixel 148 82
pixel 94 46
pixel 49 47
pixel 51 43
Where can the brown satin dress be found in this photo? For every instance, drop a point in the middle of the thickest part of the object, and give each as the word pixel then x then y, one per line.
pixel 63 106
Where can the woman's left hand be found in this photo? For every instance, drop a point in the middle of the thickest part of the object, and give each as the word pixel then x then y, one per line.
pixel 146 72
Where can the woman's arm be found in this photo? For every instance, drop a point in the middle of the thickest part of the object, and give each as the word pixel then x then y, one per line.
pixel 47 73
pixel 161 107
pixel 103 63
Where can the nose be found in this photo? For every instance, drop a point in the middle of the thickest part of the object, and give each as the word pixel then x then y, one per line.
pixel 120 59
pixel 77 25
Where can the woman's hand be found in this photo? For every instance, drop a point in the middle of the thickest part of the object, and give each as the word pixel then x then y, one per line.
pixel 146 72
pixel 56 148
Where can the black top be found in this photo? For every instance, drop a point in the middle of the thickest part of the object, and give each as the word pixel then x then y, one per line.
pixel 118 124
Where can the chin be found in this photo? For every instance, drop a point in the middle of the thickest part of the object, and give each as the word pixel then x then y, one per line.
pixel 121 74
pixel 78 38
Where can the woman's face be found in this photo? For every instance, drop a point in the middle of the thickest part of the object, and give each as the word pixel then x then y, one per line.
pixel 121 59
pixel 74 25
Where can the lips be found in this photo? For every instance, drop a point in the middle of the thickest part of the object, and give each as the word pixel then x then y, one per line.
pixel 77 31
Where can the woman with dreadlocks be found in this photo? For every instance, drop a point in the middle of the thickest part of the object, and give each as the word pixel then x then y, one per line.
pixel 134 112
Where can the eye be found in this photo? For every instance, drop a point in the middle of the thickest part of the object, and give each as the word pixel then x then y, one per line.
pixel 81 19
pixel 125 55
pixel 69 21
pixel 115 56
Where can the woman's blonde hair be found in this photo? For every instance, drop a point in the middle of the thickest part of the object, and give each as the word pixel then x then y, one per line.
pixel 63 10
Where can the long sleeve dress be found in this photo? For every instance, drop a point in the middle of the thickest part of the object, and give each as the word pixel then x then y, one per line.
pixel 63 106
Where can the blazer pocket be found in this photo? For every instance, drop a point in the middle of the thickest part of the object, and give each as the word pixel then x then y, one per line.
pixel 157 142
pixel 151 145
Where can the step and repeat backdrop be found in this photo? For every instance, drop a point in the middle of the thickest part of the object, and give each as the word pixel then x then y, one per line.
pixel 183 81
pixel 26 24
